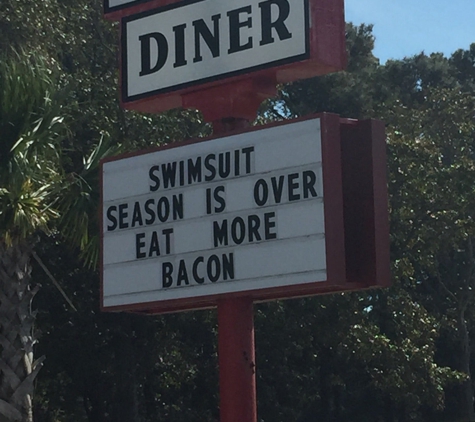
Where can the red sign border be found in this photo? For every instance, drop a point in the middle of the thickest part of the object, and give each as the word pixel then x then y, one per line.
pixel 117 12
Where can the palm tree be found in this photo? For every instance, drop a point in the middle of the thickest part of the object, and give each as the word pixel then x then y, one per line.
pixel 36 194
pixel 30 176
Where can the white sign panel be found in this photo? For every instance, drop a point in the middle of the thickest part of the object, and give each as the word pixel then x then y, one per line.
pixel 228 215
pixel 195 42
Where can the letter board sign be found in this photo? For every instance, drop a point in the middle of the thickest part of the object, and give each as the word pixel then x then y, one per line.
pixel 179 46
pixel 257 213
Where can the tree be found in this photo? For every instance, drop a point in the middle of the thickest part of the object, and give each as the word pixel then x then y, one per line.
pixel 30 129
pixel 433 168
pixel 348 93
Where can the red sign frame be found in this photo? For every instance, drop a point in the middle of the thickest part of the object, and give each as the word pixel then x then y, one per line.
pixel 116 13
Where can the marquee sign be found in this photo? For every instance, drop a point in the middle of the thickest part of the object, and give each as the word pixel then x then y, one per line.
pixel 183 45
pixel 258 213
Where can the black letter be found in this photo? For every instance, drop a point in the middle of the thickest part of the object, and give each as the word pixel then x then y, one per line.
pixel 154 245
pixel 167 271
pixel 277 188
pixel 211 40
pixel 219 199
pixel 269 225
pixel 137 215
pixel 217 268
pixel 224 167
pixel 210 167
pixel 163 209
pixel 122 216
pixel 150 211
pixel 208 201
pixel 220 234
pixel 279 25
pixel 247 152
pixel 179 31
pixel 237 162
pixel 167 233
pixel 162 45
pixel 254 223
pixel 196 276
pixel 234 25
pixel 228 266
pixel 182 274
pixel 177 206
pixel 238 239
pixel 139 245
pixel 111 218
pixel 261 197
pixel 154 178
pixel 182 173
pixel 194 170
pixel 309 180
pixel 292 186
pixel 169 174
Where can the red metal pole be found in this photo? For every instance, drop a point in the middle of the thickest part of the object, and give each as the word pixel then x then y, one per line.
pixel 237 369
pixel 236 350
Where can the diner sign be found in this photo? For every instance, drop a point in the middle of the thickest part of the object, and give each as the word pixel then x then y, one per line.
pixel 191 43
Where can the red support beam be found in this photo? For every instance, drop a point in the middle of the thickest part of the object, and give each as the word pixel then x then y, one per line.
pixel 237 368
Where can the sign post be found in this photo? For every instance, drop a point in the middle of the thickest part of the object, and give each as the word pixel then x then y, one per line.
pixel 236 344
pixel 236 353
pixel 252 214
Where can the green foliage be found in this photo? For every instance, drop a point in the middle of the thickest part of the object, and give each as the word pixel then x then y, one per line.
pixel 464 63
pixel 432 224
pixel 432 173
pixel 80 202
pixel 31 130
pixel 341 349
pixel 346 93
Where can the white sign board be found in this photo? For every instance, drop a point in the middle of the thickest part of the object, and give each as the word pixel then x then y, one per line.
pixel 219 216
pixel 190 43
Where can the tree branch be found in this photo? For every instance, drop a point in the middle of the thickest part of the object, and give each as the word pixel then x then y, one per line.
pixel 45 269
pixel 446 290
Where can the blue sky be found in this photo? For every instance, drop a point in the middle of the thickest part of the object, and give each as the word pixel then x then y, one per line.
pixel 407 27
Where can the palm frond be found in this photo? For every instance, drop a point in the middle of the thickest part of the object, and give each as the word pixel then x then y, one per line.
pixel 80 202
pixel 30 132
